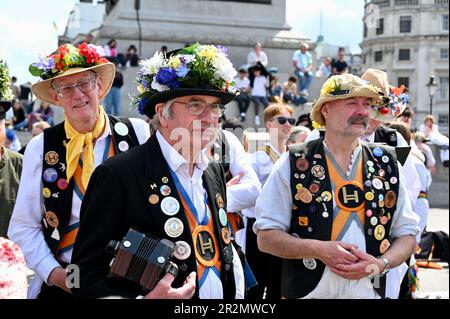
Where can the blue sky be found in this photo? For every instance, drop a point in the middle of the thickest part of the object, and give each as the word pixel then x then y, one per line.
pixel 30 27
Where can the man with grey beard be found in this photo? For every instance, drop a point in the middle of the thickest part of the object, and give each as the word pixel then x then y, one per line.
pixel 335 208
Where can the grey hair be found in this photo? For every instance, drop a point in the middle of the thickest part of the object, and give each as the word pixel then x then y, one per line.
pixel 166 113
pixel 297 130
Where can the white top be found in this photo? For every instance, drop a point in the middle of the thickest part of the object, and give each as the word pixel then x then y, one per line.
pixel 242 83
pixel 25 226
pixel 273 211
pixel 259 86
pixel 303 60
pixel 252 58
pixel 262 165
pixel 212 286
pixel 244 194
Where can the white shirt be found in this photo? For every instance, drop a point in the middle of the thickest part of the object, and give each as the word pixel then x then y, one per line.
pixel 252 58
pixel 25 227
pixel 242 83
pixel 274 211
pixel 262 165
pixel 259 86
pixel 212 286
pixel 244 194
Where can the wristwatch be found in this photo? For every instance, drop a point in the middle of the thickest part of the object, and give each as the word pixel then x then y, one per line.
pixel 386 265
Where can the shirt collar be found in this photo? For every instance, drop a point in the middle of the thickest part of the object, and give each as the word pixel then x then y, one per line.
pixel 107 130
pixel 274 148
pixel 175 160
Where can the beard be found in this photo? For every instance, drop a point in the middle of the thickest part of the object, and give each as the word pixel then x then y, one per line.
pixel 358 120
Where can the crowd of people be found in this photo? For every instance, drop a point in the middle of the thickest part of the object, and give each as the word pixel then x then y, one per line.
pixel 330 205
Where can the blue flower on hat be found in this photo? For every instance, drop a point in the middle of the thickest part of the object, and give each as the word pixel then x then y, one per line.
pixel 141 106
pixel 168 77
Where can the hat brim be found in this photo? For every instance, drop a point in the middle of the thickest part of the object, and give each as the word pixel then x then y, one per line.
pixel 316 113
pixel 106 70
pixel 163 97
pixel 6 105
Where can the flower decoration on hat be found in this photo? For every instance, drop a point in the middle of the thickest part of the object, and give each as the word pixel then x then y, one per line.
pixel 5 84
pixel 393 104
pixel 189 67
pixel 66 57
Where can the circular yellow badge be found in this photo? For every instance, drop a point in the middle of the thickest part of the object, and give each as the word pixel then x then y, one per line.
pixel 369 196
pixel 379 232
pixel 46 192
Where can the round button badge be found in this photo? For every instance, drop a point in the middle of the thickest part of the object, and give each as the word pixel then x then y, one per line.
pixel 170 206
pixel 173 227
pixel 223 218
pixel 123 146
pixel 182 250
pixel 121 129
pixel 50 175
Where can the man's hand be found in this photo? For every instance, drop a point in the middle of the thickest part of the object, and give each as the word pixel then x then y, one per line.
pixel 333 253
pixel 57 278
pixel 164 290
pixel 365 266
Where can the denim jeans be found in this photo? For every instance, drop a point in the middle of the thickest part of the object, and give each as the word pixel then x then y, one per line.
pixel 260 99
pixel 112 101
pixel 304 81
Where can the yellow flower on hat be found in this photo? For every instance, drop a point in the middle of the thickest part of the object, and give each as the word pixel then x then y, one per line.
pixel 141 89
pixel 208 51
pixel 174 62
pixel 329 87
pixel 316 125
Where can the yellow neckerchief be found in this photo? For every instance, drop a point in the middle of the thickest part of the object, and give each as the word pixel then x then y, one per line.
pixel 76 144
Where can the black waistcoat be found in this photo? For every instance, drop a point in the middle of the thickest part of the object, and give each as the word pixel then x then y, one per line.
pixel 297 279
pixel 60 194
pixel 221 153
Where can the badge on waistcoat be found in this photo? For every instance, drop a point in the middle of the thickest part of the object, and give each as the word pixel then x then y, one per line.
pixel 52 220
pixel 219 200
pixel 170 206
pixel 182 250
pixel 350 196
pixel 51 158
pixel 173 227
pixel 205 246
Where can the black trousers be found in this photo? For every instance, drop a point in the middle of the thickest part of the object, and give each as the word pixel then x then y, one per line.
pixel 265 267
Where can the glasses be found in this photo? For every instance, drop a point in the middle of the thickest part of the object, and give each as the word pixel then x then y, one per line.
pixel 282 120
pixel 198 108
pixel 68 90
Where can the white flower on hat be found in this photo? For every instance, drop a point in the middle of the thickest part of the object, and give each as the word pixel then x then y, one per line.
pixel 99 49
pixel 152 65
pixel 158 87
pixel 224 67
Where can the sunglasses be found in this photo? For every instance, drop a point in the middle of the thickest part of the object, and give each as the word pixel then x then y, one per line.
pixel 282 120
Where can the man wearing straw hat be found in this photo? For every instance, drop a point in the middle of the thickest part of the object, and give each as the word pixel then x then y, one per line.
pixel 58 163
pixel 335 207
